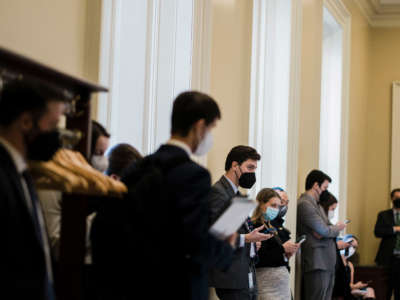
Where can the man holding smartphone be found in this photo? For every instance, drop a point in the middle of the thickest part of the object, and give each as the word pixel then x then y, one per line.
pixel 318 253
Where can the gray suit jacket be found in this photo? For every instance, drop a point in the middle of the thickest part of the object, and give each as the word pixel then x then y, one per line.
pixel 237 276
pixel 316 254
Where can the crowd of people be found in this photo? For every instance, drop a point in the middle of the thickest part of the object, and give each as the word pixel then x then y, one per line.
pixel 156 240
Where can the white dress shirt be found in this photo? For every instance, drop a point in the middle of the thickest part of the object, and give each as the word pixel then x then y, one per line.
pixel 181 145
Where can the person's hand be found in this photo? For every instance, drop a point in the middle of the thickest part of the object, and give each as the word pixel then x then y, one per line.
pixel 316 235
pixel 256 235
pixel 360 285
pixel 340 226
pixel 258 245
pixel 396 228
pixel 290 248
pixel 231 240
pixel 342 245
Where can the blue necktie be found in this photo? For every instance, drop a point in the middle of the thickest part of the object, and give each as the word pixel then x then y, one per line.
pixel 34 200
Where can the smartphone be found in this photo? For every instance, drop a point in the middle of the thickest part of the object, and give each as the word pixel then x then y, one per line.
pixel 347 221
pixel 270 230
pixel 301 239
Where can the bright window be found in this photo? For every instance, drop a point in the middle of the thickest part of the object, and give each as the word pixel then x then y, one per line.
pixel 331 103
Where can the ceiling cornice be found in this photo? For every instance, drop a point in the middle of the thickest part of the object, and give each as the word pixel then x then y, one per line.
pixel 380 15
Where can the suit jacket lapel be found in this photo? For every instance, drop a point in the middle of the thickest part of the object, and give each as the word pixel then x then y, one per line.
pixel 228 188
pixel 227 185
pixel 6 159
pixel 7 162
pixel 390 215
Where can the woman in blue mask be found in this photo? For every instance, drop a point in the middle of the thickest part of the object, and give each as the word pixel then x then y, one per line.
pixel 272 268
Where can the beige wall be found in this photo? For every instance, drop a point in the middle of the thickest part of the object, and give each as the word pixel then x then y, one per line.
pixel 375 63
pixel 310 89
pixel 358 108
pixel 62 34
pixel 230 77
pixel 385 59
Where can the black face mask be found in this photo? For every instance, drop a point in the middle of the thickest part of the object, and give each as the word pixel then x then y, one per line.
pixel 282 211
pixel 44 146
pixel 396 203
pixel 247 180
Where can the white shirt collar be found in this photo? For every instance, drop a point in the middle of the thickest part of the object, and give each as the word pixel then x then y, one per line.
pixel 234 187
pixel 16 156
pixel 181 145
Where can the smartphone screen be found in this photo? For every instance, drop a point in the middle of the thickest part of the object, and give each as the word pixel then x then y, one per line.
pixel 301 239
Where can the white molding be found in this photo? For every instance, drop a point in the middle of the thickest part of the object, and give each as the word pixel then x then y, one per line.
pixel 264 25
pixel 202 38
pixel 258 81
pixel 343 17
pixel 201 58
pixel 109 60
pixel 379 15
pixel 294 124
pixel 152 54
pixel 395 160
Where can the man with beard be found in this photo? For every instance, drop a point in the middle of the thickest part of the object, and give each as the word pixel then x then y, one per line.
pixel 28 118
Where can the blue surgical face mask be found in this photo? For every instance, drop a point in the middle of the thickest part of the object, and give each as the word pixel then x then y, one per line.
pixel 271 213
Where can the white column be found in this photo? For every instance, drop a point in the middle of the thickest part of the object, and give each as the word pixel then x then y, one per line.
pixel 147 59
pixel 274 99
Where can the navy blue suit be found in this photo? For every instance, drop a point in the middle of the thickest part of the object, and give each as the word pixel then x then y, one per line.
pixel 170 248
pixel 23 266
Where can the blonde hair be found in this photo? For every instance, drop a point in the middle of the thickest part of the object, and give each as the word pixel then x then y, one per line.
pixel 263 196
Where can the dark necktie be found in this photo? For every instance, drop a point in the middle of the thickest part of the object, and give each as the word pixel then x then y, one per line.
pixel 35 218
pixel 397 223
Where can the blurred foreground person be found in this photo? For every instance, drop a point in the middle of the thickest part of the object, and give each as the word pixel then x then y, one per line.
pixel 159 231
pixel 28 118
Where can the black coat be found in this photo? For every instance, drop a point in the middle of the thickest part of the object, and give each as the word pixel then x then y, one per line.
pixel 384 229
pixel 271 253
pixel 23 266
pixel 170 250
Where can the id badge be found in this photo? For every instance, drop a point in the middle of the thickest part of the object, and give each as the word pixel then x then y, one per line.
pixel 251 283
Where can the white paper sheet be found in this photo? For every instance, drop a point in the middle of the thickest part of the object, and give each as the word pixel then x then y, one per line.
pixel 233 217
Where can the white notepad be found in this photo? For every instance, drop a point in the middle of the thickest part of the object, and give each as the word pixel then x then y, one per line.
pixel 233 217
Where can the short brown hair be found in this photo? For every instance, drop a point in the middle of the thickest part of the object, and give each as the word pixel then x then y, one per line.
pixel 240 154
pixel 120 157
pixel 393 192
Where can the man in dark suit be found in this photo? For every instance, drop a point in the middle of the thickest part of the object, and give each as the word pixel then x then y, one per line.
pixel 170 249
pixel 388 228
pixel 239 281
pixel 27 120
